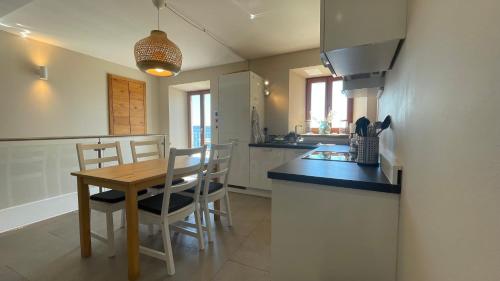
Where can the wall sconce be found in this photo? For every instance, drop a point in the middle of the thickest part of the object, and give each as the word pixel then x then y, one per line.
pixel 267 92
pixel 44 72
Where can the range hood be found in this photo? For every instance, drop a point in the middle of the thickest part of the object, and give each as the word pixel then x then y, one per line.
pixel 360 39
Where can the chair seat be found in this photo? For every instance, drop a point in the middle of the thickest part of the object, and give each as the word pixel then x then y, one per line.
pixel 112 196
pixel 153 204
pixel 174 182
pixel 212 187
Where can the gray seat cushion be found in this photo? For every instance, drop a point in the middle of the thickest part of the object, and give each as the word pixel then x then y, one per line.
pixel 112 196
pixel 153 204
pixel 174 182
pixel 212 187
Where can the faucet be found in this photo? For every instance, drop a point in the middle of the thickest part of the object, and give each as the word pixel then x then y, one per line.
pixel 295 130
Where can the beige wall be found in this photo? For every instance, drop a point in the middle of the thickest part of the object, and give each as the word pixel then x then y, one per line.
pixel 276 69
pixel 178 118
pixel 212 74
pixel 443 95
pixel 296 101
pixel 73 102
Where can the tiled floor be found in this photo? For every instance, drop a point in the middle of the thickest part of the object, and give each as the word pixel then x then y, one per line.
pixel 50 250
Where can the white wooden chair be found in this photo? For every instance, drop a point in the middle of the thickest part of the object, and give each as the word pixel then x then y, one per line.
pixel 170 207
pixel 109 201
pixel 154 152
pixel 214 185
pixel 137 155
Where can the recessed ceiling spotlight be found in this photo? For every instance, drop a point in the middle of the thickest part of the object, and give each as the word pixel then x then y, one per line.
pixel 20 25
pixel 252 16
pixel 24 34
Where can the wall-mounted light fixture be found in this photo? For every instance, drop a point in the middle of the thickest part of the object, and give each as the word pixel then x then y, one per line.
pixel 267 92
pixel 44 72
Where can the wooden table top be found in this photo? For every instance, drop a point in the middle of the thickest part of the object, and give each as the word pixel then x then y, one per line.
pixel 137 172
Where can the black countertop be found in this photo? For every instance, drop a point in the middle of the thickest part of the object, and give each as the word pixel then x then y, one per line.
pixel 334 173
pixel 285 145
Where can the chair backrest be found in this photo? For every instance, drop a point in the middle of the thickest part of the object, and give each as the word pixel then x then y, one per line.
pixel 192 169
pixel 136 156
pixel 219 165
pixel 83 162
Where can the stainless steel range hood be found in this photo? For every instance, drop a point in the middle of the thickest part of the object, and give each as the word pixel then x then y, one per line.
pixel 360 39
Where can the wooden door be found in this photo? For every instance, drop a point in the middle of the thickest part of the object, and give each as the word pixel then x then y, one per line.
pixel 127 106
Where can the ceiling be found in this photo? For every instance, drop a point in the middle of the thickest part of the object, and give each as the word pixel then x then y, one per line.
pixel 194 86
pixel 237 29
pixel 312 71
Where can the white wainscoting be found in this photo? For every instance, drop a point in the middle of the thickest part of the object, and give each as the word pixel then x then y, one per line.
pixel 26 214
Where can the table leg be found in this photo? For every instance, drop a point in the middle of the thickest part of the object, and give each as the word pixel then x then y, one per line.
pixel 132 234
pixel 217 208
pixel 84 218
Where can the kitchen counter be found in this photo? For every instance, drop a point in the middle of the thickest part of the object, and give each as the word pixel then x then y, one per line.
pixel 341 217
pixel 285 145
pixel 334 173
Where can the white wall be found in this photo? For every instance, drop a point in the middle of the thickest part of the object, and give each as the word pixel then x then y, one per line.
pixel 178 118
pixel 73 102
pixel 443 95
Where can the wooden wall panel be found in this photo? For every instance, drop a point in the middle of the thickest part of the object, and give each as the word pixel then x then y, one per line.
pixel 137 108
pixel 127 106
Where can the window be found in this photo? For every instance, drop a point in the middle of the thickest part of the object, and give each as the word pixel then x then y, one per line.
pixel 323 97
pixel 200 131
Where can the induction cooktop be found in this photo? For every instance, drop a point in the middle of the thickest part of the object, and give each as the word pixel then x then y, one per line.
pixel 331 156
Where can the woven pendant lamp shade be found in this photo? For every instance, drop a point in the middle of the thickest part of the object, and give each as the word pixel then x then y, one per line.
pixel 158 56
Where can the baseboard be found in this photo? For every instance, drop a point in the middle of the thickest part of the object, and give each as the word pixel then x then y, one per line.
pixel 26 214
pixel 251 191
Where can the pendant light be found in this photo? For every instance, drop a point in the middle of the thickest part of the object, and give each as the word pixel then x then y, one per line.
pixel 155 54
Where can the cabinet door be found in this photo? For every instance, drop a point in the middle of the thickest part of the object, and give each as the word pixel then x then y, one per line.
pixel 262 160
pixel 119 106
pixel 239 174
pixel 291 154
pixel 234 104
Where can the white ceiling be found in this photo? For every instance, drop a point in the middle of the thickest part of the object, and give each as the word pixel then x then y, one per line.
pixel 194 86
pixel 312 71
pixel 108 29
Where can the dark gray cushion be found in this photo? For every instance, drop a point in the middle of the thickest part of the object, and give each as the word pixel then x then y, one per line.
pixel 212 187
pixel 112 196
pixel 174 182
pixel 153 204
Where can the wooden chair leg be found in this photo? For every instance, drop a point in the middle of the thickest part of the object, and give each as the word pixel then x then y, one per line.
pixel 199 228
pixel 208 223
pixel 167 246
pixel 228 209
pixel 110 237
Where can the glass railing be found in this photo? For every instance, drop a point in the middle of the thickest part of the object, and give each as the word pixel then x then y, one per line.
pixel 37 169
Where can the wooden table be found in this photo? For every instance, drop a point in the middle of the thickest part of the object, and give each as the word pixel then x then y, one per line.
pixel 129 178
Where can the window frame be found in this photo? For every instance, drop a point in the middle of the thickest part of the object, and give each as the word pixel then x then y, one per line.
pixel 200 93
pixel 328 80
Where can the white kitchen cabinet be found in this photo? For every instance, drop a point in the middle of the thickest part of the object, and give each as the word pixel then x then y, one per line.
pixel 238 94
pixel 263 159
pixel 291 154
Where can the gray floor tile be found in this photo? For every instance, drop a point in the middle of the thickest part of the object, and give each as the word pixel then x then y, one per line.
pixel 232 271
pixel 50 250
